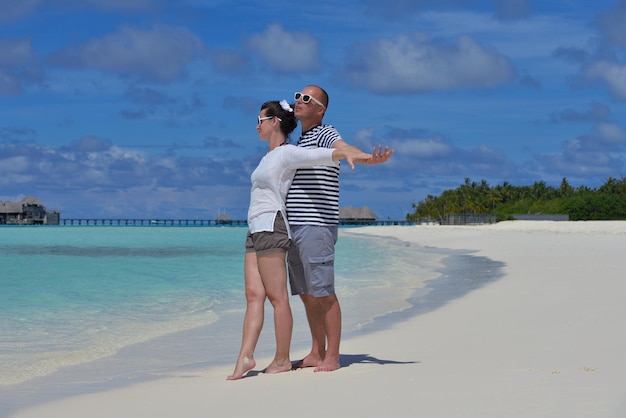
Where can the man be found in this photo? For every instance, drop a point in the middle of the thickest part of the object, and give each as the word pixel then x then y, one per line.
pixel 313 215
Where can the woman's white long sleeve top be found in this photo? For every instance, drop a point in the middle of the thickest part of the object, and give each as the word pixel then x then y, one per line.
pixel 271 180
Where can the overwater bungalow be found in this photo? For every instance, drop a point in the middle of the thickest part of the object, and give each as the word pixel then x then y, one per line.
pixel 356 216
pixel 28 211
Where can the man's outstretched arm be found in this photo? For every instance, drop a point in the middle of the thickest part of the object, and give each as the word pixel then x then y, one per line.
pixel 379 155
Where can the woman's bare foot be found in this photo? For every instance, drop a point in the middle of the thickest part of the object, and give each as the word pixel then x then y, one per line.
pixel 278 366
pixel 243 366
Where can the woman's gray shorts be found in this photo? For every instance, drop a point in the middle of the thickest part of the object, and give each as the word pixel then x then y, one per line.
pixel 269 241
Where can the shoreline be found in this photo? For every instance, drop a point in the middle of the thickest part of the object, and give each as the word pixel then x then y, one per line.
pixel 212 345
pixel 543 340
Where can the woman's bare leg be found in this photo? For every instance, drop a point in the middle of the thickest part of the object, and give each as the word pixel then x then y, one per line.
pixel 253 319
pixel 274 276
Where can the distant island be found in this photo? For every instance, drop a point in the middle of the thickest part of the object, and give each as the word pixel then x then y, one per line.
pixel 538 201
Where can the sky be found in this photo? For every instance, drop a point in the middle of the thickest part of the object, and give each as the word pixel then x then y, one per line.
pixel 147 108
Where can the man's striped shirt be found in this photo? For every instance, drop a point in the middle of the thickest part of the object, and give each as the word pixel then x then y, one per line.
pixel 313 197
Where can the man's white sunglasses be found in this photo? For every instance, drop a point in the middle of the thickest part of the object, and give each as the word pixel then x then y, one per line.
pixel 306 98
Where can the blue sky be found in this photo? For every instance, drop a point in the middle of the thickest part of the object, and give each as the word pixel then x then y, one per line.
pixel 147 108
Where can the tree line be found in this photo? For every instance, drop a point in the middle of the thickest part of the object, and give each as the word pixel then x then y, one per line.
pixel 607 202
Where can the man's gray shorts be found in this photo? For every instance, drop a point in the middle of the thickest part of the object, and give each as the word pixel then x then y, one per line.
pixel 311 259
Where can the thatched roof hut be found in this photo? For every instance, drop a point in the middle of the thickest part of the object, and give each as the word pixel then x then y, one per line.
pixel 10 207
pixel 351 213
pixel 31 200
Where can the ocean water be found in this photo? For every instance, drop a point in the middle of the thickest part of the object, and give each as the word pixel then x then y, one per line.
pixel 71 295
pixel 87 307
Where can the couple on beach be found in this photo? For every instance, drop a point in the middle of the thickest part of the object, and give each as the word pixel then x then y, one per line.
pixel 294 213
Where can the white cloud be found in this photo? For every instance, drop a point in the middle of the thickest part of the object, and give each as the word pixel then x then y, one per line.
pixel 416 63
pixel 102 165
pixel 611 74
pixel 422 148
pixel 598 153
pixel 605 138
pixel 611 133
pixel 578 164
pixel 585 161
pixel 159 54
pixel 286 52
pixel 528 40
pixel 17 164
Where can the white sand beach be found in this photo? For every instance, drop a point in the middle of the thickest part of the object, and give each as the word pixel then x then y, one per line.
pixel 545 340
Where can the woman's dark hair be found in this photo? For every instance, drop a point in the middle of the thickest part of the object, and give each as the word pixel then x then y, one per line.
pixel 288 120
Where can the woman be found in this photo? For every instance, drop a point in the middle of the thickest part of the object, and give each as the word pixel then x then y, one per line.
pixel 268 238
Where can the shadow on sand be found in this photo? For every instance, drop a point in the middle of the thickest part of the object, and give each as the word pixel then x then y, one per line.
pixel 346 360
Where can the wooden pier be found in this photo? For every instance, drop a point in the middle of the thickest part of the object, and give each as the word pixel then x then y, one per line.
pixel 153 222
pixel 203 222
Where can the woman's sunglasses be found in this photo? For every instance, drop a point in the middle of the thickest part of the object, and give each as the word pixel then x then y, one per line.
pixel 306 98
pixel 260 119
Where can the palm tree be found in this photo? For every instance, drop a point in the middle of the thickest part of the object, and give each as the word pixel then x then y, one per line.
pixel 565 190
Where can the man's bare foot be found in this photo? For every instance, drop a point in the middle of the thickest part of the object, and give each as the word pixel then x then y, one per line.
pixel 328 365
pixel 308 361
pixel 278 367
pixel 243 366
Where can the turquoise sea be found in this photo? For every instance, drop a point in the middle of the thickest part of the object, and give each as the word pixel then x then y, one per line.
pixel 84 308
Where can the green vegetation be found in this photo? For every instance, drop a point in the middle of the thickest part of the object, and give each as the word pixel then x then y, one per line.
pixel 607 202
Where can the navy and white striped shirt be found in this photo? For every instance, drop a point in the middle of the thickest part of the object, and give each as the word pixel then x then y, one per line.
pixel 313 197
